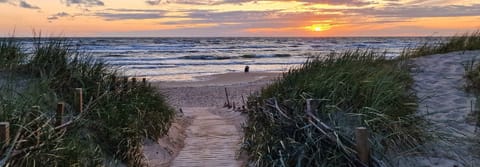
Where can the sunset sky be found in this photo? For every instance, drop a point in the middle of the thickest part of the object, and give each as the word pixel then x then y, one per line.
pixel 172 18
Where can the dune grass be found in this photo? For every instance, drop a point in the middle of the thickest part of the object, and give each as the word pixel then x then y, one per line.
pixel 117 116
pixel 354 88
pixel 467 41
pixel 11 53
pixel 472 76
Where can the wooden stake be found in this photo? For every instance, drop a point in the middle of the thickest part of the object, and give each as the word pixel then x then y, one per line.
pixel 144 82
pixel 113 83
pixel 134 82
pixel 228 101
pixel 79 100
pixel 59 114
pixel 4 133
pixel 362 146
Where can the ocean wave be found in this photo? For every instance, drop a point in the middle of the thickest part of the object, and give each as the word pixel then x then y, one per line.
pixel 250 56
pixel 152 67
pixel 205 57
pixel 131 64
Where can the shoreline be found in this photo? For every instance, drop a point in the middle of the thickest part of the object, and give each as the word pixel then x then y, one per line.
pixel 210 91
pixel 225 79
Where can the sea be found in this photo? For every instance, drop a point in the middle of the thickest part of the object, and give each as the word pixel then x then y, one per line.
pixel 186 59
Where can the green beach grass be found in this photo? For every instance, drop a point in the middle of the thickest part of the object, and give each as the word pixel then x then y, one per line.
pixel 467 41
pixel 472 76
pixel 117 117
pixel 352 89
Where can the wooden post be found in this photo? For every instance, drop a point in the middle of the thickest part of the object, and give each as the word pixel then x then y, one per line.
pixel 134 82
pixel 79 100
pixel 144 81
pixel 4 133
pixel 59 114
pixel 243 100
pixel 362 146
pixel 228 101
pixel 113 83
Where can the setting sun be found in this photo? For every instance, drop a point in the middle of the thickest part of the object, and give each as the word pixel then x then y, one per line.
pixel 319 27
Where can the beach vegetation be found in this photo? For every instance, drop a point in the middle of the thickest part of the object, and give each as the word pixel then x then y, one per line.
pixel 465 42
pixel 118 114
pixel 11 53
pixel 346 90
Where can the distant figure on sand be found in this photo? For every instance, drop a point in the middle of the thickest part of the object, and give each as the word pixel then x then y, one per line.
pixel 247 68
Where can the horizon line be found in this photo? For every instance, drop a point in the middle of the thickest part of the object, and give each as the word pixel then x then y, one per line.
pixel 359 36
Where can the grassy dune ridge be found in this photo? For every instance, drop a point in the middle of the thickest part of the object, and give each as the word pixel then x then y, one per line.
pixel 354 88
pixel 117 115
pixel 467 41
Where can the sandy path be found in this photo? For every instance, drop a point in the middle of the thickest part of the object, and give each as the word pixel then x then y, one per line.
pixel 439 85
pixel 211 140
pixel 207 134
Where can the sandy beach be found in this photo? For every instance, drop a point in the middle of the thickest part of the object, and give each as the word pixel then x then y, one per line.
pixel 209 91
pixel 204 132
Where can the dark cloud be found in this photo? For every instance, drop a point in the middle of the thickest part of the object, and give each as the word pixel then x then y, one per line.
pixel 58 16
pixel 112 14
pixel 128 16
pixel 26 5
pixel 191 2
pixel 52 18
pixel 62 14
pixel 415 11
pixel 248 19
pixel 125 10
pixel 217 2
pixel 153 2
pixel 336 2
pixel 85 2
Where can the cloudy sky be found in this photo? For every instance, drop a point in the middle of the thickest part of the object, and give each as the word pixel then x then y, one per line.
pixel 159 18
